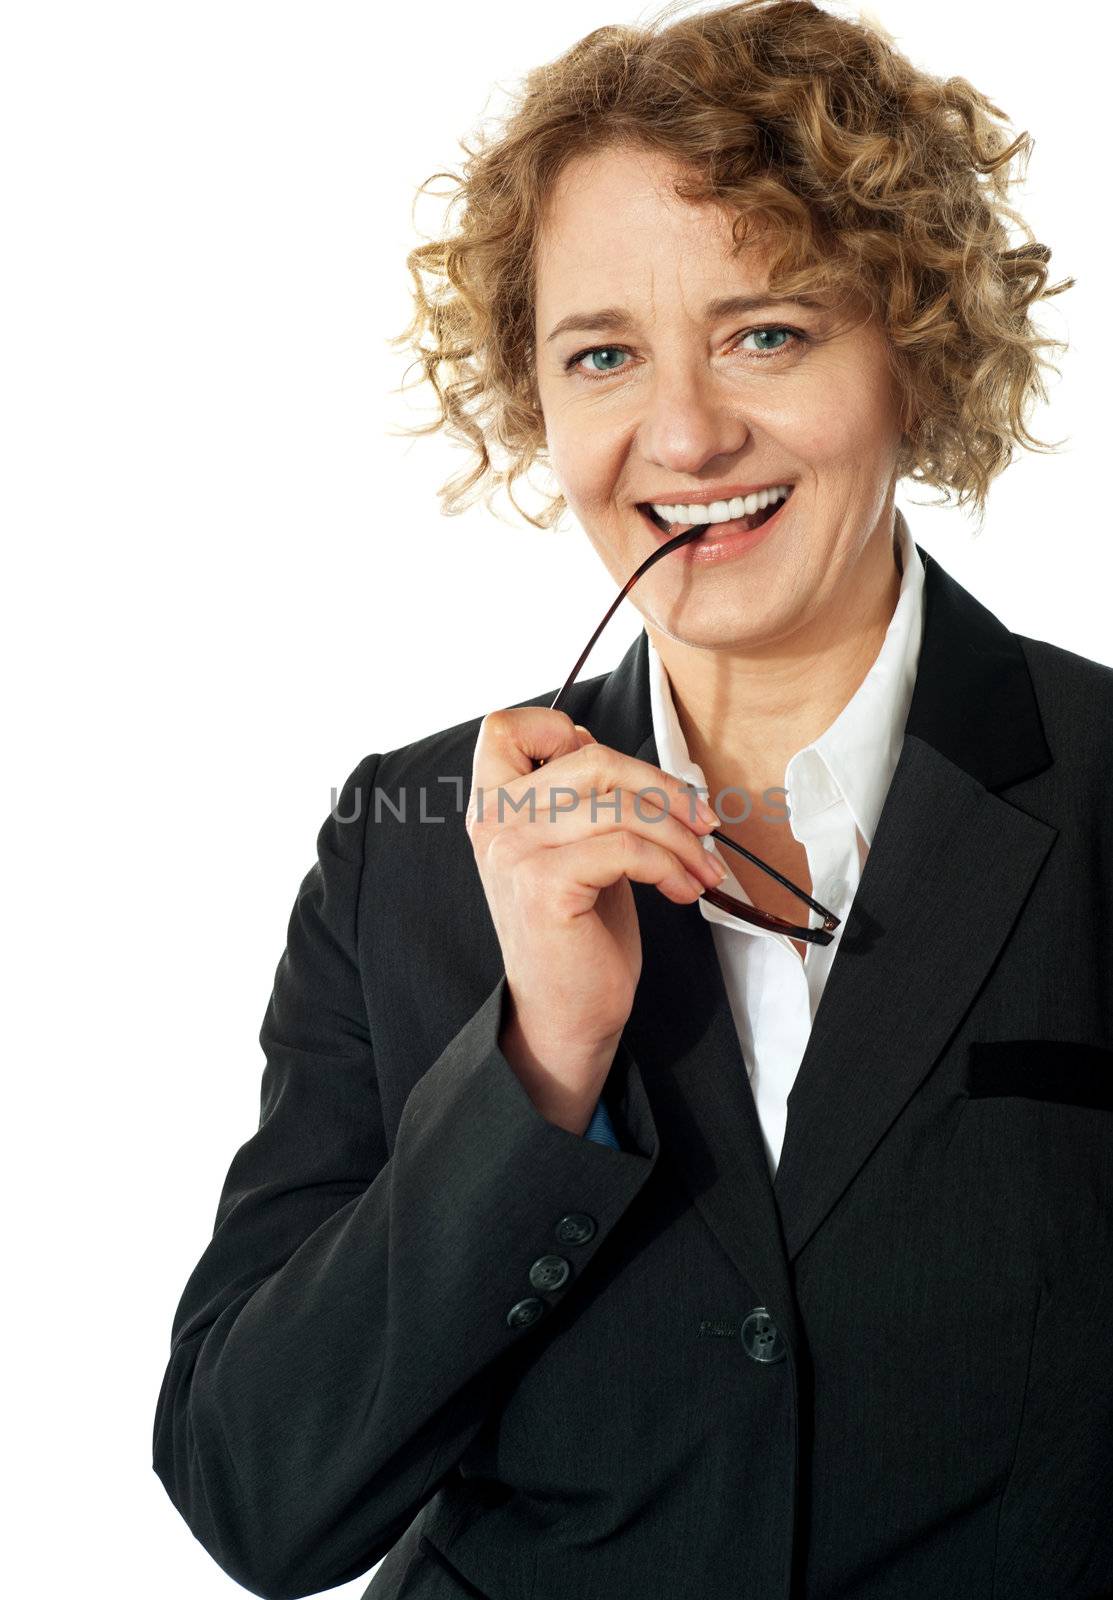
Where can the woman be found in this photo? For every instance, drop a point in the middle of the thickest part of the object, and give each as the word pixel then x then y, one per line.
pixel 581 1252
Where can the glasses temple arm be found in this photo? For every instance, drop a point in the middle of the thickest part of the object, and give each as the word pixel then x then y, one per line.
pixel 666 549
pixel 773 873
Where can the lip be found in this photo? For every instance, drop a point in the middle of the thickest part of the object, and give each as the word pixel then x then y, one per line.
pixel 722 540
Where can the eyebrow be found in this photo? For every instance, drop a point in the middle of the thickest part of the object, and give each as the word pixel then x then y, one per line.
pixel 621 320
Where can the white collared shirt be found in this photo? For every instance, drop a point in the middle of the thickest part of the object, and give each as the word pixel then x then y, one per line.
pixel 835 789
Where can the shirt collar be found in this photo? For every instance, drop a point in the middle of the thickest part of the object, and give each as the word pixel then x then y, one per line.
pixel 854 759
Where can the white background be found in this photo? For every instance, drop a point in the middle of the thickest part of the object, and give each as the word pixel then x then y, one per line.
pixel 226 582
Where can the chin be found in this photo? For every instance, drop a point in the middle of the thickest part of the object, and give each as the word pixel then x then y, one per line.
pixel 700 632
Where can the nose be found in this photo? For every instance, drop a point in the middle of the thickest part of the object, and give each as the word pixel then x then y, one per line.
pixel 690 419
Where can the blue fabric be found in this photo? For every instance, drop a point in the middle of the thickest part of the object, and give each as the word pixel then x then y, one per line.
pixel 600 1128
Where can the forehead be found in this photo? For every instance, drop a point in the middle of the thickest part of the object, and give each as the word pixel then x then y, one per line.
pixel 612 225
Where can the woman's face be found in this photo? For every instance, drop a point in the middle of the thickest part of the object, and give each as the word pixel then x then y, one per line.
pixel 678 400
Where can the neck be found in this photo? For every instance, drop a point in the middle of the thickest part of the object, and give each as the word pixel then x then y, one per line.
pixel 745 712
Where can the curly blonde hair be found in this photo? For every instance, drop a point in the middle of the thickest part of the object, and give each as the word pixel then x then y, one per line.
pixel 878 179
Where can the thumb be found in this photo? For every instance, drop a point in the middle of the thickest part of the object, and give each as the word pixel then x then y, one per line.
pixel 585 736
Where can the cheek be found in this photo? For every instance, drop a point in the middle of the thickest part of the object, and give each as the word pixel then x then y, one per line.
pixel 846 411
pixel 817 436
pixel 843 428
pixel 584 459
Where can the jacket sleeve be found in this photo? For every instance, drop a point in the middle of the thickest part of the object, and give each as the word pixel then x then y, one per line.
pixel 336 1347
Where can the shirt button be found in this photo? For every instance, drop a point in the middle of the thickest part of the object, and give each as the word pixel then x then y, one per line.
pixel 524 1313
pixel 761 1337
pixel 549 1272
pixel 576 1228
pixel 835 890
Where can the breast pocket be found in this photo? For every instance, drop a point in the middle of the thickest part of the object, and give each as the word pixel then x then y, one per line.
pixel 1067 1071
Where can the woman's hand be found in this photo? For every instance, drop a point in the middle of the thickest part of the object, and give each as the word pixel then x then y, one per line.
pixel 555 876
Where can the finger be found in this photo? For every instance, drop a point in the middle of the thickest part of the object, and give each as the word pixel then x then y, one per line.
pixel 597 769
pixel 512 739
pixel 563 818
pixel 582 869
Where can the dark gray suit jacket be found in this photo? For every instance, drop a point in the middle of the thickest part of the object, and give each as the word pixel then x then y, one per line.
pixel 432 1323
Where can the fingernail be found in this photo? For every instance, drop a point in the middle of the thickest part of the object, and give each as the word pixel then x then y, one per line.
pixel 714 868
pixel 704 812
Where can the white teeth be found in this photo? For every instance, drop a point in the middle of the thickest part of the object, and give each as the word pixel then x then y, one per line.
pixel 722 510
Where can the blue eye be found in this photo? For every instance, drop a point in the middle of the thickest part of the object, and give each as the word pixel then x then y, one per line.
pixel 600 350
pixel 760 331
pixel 611 350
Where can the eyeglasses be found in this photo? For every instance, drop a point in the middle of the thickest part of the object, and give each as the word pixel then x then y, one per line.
pixel 725 902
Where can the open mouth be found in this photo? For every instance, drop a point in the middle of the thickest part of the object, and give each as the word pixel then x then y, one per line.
pixel 734 525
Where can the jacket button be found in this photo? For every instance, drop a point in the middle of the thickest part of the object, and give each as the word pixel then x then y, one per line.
pixel 762 1338
pixel 576 1228
pixel 549 1272
pixel 524 1313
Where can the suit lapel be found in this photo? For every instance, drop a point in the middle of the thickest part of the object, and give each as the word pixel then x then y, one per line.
pixel 683 1040
pixel 944 882
pixel 950 868
pixel 682 1035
